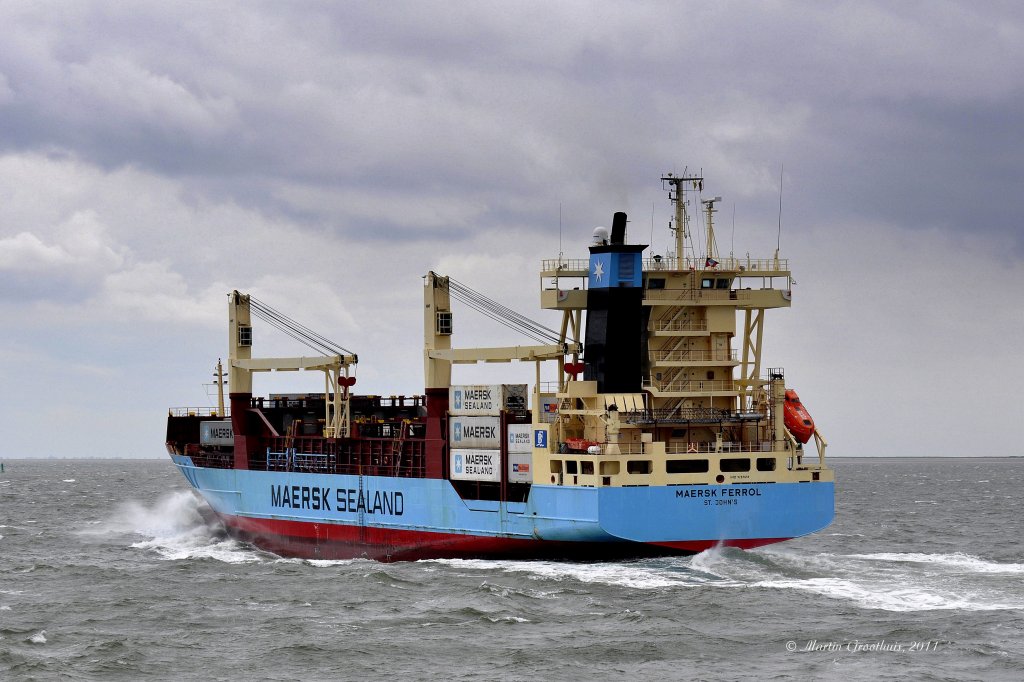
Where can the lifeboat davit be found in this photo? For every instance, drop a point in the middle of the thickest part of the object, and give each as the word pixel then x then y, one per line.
pixel 797 418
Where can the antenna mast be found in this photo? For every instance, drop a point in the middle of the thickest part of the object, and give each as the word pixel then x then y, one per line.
pixel 675 186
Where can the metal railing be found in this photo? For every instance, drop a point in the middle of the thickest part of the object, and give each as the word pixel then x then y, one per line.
pixel 693 355
pixel 665 263
pixel 698 294
pixel 692 385
pixel 197 412
pixel 696 448
pixel 680 325
pixel 726 264
pixel 567 264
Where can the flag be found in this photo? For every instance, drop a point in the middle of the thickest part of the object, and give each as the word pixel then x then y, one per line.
pixel 710 262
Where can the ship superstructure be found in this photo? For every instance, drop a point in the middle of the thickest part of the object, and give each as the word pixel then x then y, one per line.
pixel 657 434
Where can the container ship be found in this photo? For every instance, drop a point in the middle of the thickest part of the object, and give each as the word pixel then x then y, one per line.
pixel 651 428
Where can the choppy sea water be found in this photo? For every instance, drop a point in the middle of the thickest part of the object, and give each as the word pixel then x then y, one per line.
pixel 108 572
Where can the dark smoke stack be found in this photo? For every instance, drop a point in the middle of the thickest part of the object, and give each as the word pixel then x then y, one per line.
pixel 616 317
pixel 618 228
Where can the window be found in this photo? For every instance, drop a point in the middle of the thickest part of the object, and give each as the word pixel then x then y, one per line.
pixel 587 468
pixel 766 464
pixel 707 283
pixel 639 466
pixel 444 323
pixel 656 283
pixel 721 284
pixel 244 336
pixel 571 466
pixel 686 466
pixel 734 464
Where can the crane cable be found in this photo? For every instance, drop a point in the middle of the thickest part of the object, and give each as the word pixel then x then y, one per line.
pixel 296 330
pixel 502 314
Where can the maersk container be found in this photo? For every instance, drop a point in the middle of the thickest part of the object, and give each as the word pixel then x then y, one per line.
pixel 475 465
pixel 216 433
pixel 520 438
pixel 475 432
pixel 486 400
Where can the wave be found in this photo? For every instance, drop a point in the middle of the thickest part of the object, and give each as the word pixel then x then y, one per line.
pixel 956 560
pixel 884 581
pixel 173 528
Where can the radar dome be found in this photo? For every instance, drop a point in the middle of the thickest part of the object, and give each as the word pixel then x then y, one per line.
pixel 601 235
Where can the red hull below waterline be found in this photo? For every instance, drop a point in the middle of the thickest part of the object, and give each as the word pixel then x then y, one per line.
pixel 336 541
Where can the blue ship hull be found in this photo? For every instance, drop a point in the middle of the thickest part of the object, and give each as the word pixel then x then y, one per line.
pixel 335 516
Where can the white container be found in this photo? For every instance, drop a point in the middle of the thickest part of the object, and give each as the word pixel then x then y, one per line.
pixel 482 433
pixel 216 433
pixel 486 400
pixel 520 466
pixel 475 465
pixel 520 438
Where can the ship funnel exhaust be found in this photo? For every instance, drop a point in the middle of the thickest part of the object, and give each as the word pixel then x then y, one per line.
pixel 616 317
pixel 619 228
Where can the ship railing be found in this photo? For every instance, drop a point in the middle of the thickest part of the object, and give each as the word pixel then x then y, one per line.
pixel 280 461
pixel 692 385
pixel 658 263
pixel 680 325
pixel 726 264
pixel 698 294
pixel 694 355
pixel 197 412
pixel 676 448
pixel 567 264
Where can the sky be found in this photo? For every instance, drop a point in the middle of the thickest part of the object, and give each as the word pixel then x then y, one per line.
pixel 324 156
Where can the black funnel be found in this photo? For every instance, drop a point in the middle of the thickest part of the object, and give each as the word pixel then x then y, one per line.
pixel 618 228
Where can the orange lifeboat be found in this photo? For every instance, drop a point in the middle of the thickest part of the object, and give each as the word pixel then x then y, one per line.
pixel 797 418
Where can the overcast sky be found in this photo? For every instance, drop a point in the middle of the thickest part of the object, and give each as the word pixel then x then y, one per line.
pixel 325 155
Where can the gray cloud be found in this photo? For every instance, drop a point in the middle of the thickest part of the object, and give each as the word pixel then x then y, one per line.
pixel 154 156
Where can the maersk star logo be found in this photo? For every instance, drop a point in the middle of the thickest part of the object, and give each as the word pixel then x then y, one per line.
pixel 458 464
pixel 598 270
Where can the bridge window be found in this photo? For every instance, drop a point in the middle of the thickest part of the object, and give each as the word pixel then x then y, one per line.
pixel 766 464
pixel 639 466
pixel 571 466
pixel 730 465
pixel 656 283
pixel 686 466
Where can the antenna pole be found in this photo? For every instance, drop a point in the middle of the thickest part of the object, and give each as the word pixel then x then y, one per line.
pixel 674 184
pixel 220 387
pixel 778 241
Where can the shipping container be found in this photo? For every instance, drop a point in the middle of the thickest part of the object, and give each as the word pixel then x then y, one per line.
pixel 486 400
pixel 482 433
pixel 520 438
pixel 476 465
pixel 216 433
pixel 519 467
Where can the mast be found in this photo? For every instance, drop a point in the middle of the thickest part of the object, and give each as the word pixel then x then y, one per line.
pixel 681 225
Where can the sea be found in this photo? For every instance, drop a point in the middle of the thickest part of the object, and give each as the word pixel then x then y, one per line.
pixel 109 572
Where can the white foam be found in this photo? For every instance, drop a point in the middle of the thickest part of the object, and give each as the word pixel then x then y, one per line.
pixel 956 560
pixel 38 638
pixel 888 597
pixel 68 480
pixel 174 529
pixel 632 575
